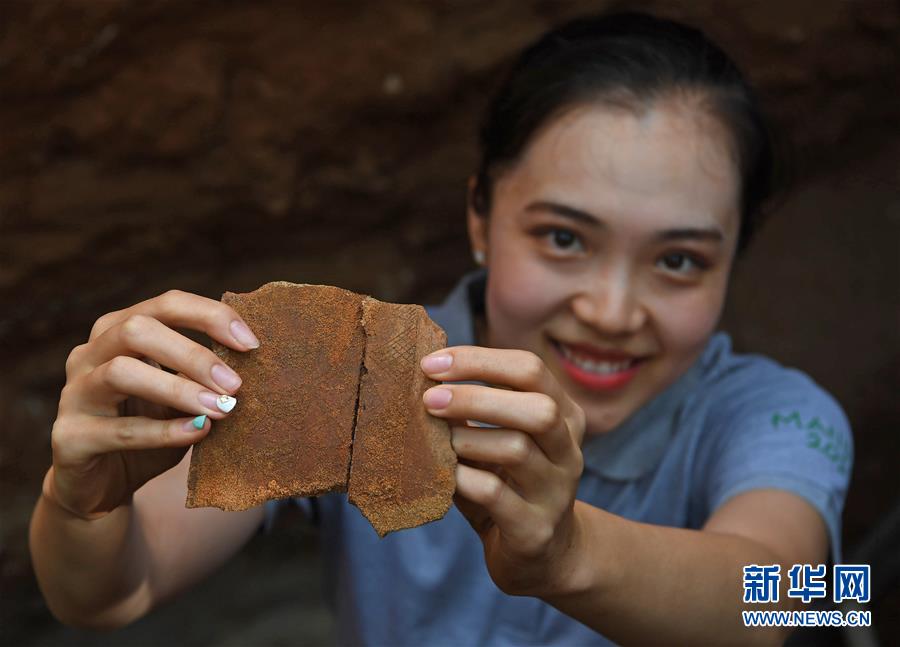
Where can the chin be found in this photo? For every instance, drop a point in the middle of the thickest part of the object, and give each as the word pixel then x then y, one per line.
pixel 607 398
pixel 604 417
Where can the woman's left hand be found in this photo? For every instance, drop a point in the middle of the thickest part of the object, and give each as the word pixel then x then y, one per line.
pixel 515 484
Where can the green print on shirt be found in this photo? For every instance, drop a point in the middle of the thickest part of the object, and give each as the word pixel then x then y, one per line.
pixel 819 436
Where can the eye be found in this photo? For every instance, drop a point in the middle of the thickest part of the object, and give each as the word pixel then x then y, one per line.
pixel 681 263
pixel 562 239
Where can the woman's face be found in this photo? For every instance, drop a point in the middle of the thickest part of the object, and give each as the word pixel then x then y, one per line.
pixel 609 246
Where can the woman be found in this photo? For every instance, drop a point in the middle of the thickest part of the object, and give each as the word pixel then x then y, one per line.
pixel 627 464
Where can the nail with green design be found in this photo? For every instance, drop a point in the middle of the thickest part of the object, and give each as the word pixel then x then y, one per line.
pixel 199 421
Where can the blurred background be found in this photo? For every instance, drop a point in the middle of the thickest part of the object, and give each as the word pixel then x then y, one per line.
pixel 211 146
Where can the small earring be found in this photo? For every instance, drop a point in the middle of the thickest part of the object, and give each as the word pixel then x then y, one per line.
pixel 478 255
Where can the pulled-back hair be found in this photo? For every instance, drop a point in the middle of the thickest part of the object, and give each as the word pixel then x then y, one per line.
pixel 628 60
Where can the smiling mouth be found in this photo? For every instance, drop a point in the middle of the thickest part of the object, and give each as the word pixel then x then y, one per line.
pixel 596 371
pixel 616 363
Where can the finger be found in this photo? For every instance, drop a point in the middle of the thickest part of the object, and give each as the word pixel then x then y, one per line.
pixel 176 308
pixel 534 413
pixel 487 467
pixel 510 513
pixel 100 434
pixel 515 451
pixel 100 391
pixel 476 515
pixel 136 407
pixel 519 369
pixel 142 336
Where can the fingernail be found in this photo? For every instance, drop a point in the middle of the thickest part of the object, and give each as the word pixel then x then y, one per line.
pixel 437 398
pixel 196 423
pixel 226 403
pixel 242 334
pixel 436 363
pixel 209 400
pixel 225 377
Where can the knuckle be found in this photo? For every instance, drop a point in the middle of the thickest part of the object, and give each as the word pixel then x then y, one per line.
pixel 580 418
pixel 543 535
pixel 126 432
pixel 73 361
pixel 57 442
pixel 59 436
pixel 519 449
pixel 577 466
pixel 547 412
pixel 166 434
pixel 170 301
pixel 493 489
pixel 64 439
pixel 115 371
pixel 533 367
pixel 133 327
pixel 101 325
pixel 66 394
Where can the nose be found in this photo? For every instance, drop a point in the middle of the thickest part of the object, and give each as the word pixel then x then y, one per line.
pixel 611 305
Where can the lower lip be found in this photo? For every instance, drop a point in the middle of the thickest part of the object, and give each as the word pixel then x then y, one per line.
pixel 596 381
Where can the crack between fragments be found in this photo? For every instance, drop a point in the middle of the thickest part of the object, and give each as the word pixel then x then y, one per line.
pixel 362 371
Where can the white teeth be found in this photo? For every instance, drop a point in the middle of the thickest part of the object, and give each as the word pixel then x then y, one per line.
pixel 604 368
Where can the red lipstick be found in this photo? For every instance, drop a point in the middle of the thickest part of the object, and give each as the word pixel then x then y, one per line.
pixel 596 381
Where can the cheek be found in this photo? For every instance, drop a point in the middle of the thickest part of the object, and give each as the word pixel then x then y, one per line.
pixel 521 296
pixel 686 324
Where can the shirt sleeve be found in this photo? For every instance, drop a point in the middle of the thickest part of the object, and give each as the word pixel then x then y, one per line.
pixel 777 428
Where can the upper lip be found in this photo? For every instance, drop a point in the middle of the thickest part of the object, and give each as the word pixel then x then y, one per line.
pixel 609 354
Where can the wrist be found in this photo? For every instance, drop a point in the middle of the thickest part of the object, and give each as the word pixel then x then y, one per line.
pixel 569 566
pixel 49 494
pixel 585 564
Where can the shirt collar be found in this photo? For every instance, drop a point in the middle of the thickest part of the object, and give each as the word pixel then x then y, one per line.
pixel 636 446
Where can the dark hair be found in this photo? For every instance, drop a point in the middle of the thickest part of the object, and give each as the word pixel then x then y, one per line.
pixel 630 60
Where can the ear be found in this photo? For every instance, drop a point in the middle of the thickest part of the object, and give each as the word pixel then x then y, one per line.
pixel 477 225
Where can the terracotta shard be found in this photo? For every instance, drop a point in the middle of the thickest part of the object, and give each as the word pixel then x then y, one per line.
pixel 402 471
pixel 331 401
pixel 291 431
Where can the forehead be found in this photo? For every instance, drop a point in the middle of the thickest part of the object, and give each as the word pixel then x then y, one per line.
pixel 667 165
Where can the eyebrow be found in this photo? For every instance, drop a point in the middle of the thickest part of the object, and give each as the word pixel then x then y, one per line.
pixel 681 233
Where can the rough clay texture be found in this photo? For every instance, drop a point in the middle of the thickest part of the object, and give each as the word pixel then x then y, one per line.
pixel 329 360
pixel 402 473
pixel 291 432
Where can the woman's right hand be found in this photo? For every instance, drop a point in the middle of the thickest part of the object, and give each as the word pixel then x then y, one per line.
pixel 122 419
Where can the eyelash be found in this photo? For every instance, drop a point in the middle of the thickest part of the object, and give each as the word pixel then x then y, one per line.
pixel 699 263
pixel 546 233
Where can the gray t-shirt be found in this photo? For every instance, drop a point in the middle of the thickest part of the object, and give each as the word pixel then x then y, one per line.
pixel 730 424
